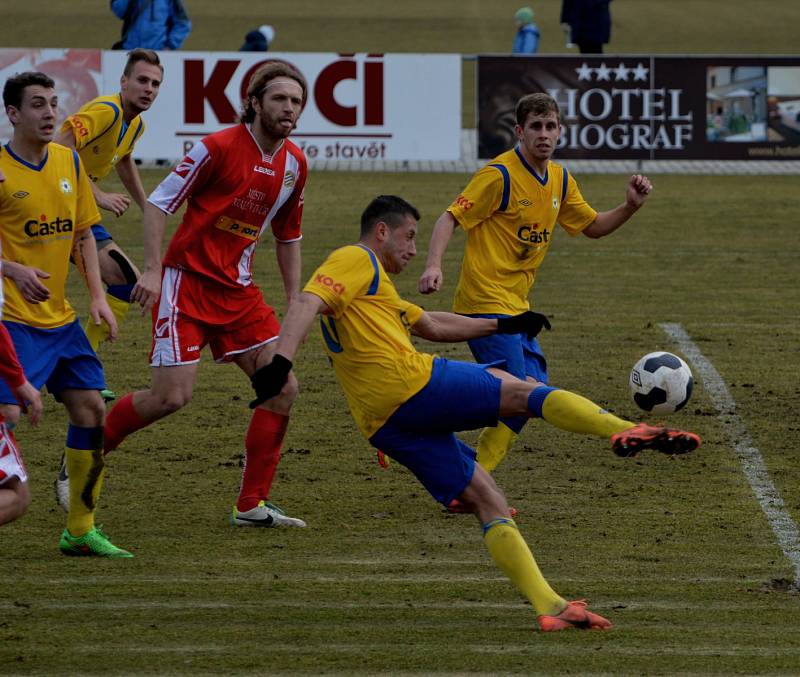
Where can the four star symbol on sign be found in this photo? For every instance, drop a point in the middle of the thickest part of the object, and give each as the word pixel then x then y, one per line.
pixel 620 73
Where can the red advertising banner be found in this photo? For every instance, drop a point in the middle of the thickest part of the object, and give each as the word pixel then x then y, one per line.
pixel 645 107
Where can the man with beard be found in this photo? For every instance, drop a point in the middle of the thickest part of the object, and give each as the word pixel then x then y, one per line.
pixel 238 182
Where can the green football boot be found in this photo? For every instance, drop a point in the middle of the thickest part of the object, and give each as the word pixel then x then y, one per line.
pixel 93 544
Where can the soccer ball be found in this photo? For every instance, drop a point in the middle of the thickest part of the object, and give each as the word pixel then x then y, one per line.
pixel 661 383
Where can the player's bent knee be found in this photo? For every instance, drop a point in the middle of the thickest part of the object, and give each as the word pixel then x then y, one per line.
pixel 172 402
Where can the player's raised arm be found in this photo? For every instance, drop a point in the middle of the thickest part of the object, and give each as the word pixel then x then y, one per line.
pixel 639 187
pixel 433 278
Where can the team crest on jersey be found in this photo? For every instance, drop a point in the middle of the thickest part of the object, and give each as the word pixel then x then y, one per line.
pixel 289 179
pixel 20 195
pixel 555 203
pixel 65 185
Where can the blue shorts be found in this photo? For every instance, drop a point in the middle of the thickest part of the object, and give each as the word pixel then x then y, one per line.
pixel 59 358
pixel 100 233
pixel 419 435
pixel 523 358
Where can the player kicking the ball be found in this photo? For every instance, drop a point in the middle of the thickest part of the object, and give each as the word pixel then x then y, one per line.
pixel 421 399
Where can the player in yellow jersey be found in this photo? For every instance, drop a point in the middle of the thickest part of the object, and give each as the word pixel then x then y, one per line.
pixel 46 212
pixel 409 404
pixel 509 210
pixel 104 132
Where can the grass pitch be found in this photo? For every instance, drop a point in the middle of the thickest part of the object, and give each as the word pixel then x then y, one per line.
pixel 675 551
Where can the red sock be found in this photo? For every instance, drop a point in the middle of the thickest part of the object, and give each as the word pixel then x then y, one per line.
pixel 121 421
pixel 263 445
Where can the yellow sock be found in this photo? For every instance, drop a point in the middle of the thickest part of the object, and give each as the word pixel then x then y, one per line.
pixel 85 470
pixel 514 558
pixel 575 413
pixel 99 333
pixel 494 444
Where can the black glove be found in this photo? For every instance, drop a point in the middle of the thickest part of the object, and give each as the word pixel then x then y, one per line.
pixel 529 323
pixel 270 379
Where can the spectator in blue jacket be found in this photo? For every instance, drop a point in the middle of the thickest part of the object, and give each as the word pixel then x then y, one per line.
pixel 589 22
pixel 152 24
pixel 527 39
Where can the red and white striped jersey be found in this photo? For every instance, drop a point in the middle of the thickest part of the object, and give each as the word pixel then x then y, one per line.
pixel 234 191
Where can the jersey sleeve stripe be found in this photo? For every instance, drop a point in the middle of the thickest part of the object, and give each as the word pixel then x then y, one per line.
pixel 564 183
pixel 373 287
pixel 77 161
pixel 506 187
pixel 190 179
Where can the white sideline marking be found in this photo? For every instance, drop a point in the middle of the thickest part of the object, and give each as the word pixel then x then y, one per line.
pixel 750 457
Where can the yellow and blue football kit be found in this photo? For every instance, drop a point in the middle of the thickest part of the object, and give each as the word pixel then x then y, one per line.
pixel 103 138
pixel 510 213
pixel 406 403
pixel 42 208
pixel 367 335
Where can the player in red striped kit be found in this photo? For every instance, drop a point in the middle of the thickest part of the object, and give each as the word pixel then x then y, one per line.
pixel 237 183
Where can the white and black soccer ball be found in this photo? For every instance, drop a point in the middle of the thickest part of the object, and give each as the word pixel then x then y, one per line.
pixel 661 383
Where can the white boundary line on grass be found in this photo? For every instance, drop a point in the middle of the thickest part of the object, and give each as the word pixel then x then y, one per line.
pixel 749 456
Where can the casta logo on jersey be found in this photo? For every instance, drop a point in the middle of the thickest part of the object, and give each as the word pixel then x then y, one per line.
pixel 528 233
pixel 43 227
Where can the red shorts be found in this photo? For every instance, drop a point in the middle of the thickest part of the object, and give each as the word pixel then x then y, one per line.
pixel 11 464
pixel 193 312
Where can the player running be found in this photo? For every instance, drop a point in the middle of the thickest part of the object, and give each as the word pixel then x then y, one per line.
pixel 238 183
pixel 509 210
pixel 47 210
pixel 408 404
